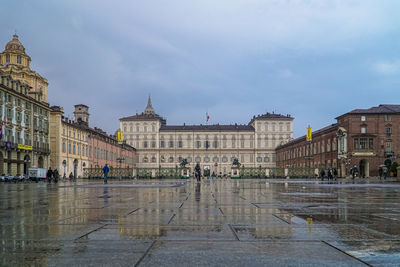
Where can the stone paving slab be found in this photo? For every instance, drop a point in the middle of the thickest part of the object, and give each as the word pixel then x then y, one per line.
pixel 178 253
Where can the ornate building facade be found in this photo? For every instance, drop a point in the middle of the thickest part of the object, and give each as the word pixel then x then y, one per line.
pixel 24 112
pixel 14 61
pixel 24 122
pixel 76 147
pixel 213 146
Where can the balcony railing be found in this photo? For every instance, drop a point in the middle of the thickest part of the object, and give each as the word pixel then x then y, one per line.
pixel 389 154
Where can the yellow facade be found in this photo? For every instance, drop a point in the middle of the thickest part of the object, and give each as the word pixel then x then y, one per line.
pixel 68 144
pixel 16 62
pixel 24 142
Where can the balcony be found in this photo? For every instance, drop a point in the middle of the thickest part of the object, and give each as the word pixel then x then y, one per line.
pixel 389 154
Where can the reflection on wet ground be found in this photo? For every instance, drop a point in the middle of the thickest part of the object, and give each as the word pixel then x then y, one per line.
pixel 215 222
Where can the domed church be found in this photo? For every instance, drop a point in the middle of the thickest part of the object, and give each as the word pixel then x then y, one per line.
pixel 15 61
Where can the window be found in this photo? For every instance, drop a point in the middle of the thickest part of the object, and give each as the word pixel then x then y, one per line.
pixel 387 117
pixel 388 147
pixel 171 144
pixel 63 147
pixel 145 144
pixel 206 144
pixel 356 143
pixel 371 144
pixel 363 143
pixel 19 60
pixel 288 127
pixel 362 118
pixel 162 158
pixel 215 144
pixel 363 130
pixel 171 159
pixel 180 144
pixel 198 144
pixel 145 159
pixel 8 58
pixel 162 144
pixel 69 148
pixel 388 131
pixel 74 152
pixel 153 144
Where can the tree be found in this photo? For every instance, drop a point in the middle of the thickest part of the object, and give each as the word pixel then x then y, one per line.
pixel 393 168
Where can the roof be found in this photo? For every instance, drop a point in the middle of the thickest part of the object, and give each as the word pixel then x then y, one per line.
pixel 142 116
pixel 273 116
pixel 214 127
pixel 381 109
pixel 315 133
pixel 15 45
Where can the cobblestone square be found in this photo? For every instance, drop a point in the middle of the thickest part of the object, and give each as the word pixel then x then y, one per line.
pixel 222 222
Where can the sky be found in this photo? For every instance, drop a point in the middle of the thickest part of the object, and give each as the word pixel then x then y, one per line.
pixel 234 59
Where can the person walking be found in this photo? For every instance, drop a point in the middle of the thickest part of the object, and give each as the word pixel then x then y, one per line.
pixel 335 173
pixel 56 175
pixel 330 176
pixel 380 173
pixel 385 172
pixel 105 171
pixel 322 174
pixel 197 172
pixel 49 175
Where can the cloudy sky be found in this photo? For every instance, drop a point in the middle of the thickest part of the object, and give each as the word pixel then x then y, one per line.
pixel 312 59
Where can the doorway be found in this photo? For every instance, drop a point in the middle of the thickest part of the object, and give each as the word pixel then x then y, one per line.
pixel 27 161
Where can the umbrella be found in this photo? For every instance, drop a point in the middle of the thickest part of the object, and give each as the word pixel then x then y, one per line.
pixel 382 165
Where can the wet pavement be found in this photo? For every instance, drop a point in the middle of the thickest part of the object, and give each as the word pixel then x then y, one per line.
pixel 215 223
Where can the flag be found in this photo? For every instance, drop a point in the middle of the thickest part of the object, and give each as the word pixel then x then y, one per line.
pixel 207 116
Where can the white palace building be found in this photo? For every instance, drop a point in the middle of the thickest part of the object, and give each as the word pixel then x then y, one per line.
pixel 213 146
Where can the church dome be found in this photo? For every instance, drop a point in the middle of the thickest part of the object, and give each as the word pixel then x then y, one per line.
pixel 15 45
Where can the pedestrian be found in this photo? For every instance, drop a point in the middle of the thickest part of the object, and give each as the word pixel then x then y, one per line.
pixel 385 172
pixel 330 176
pixel 197 172
pixel 213 175
pixel 322 174
pixel 380 173
pixel 49 175
pixel 71 177
pixel 354 171
pixel 56 175
pixel 335 173
pixel 105 171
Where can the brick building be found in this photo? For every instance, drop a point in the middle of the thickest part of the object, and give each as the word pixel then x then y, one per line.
pixel 365 138
pixel 320 153
pixel 76 147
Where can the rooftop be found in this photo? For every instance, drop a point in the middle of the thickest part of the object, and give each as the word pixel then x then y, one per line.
pixel 213 127
pixel 381 109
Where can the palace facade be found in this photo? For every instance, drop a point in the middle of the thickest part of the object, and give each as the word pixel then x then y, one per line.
pixel 213 146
